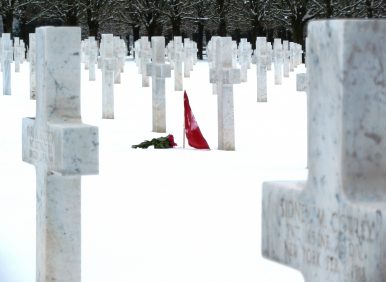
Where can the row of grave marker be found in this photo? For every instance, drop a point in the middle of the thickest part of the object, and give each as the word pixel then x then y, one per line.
pixel 331 228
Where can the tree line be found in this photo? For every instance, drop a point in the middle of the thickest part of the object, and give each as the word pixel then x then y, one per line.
pixel 197 19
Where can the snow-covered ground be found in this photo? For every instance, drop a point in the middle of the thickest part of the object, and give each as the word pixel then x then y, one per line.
pixel 178 215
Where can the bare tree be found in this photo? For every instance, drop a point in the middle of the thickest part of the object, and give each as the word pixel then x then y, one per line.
pixel 255 14
pixel 143 12
pixel 176 11
pixel 295 14
pixel 10 9
pixel 221 14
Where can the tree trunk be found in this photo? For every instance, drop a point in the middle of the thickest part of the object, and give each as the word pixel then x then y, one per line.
pixel 369 9
pixel 200 45
pixel 136 29
pixel 7 22
pixel 329 9
pixel 93 24
pixel 176 26
pixel 257 30
pixel 71 17
pixel 24 29
pixel 222 26
pixel 154 29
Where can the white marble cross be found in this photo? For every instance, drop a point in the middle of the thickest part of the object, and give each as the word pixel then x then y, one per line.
pixel 159 71
pixel 170 53
pixel 286 58
pixel 212 60
pixel 16 53
pixel 269 56
pixel 145 56
pixel 187 57
pixel 194 53
pixel 119 58
pixel 244 55
pixel 224 75
pixel 108 66
pixel 332 227
pixel 62 149
pixel 261 58
pixel 22 51
pixel 178 52
pixel 234 54
pixel 6 59
pixel 92 57
pixel 137 49
pixel 32 65
pixel 301 82
pixel 85 48
pixel 278 61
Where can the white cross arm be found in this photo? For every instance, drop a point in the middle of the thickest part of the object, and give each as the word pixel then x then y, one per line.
pixel 67 149
pixel 159 70
pixel 227 76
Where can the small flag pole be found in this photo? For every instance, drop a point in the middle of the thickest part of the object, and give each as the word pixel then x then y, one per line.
pixel 183 123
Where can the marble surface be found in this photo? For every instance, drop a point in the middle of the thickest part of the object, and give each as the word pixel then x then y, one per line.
pixel 187 57
pixel 332 227
pixel 62 149
pixel 301 82
pixel 6 59
pixel 108 68
pixel 144 57
pixel 177 62
pixel 32 65
pixel 224 76
pixel 278 61
pixel 159 71
pixel 261 58
pixel 244 58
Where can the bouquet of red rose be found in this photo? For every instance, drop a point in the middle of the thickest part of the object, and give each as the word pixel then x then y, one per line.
pixel 158 143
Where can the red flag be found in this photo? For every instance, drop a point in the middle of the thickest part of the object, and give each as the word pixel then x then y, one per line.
pixel 192 130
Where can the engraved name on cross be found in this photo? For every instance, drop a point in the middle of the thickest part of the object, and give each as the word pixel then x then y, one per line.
pixel 332 226
pixel 62 149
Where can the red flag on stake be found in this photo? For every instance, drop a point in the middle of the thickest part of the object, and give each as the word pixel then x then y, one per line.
pixel 192 130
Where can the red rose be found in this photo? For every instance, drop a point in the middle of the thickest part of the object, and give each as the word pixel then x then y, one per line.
pixel 171 140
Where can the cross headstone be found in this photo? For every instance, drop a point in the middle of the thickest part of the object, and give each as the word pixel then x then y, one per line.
pixel 286 58
pixel 194 53
pixel 224 75
pixel 301 82
pixel 22 51
pixel 32 65
pixel 212 60
pixel 244 58
pixel 16 53
pixel 332 227
pixel 62 149
pixel 187 57
pixel 292 55
pixel 278 60
pixel 6 59
pixel 145 56
pixel 234 54
pixel 108 67
pixel 261 58
pixel 178 57
pixel 170 53
pixel 269 56
pixel 158 71
pixel 137 54
pixel 118 59
pixel 85 47
pixel 92 57
pixel 1 53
